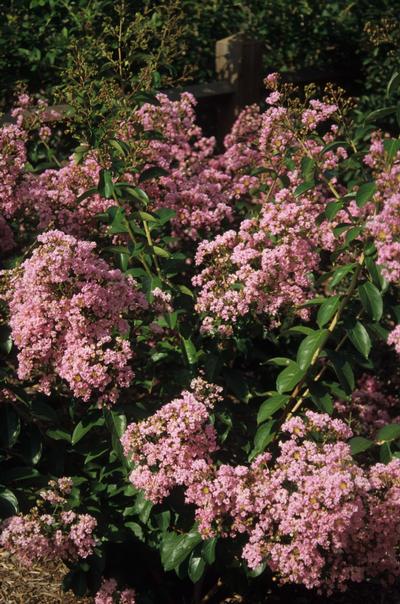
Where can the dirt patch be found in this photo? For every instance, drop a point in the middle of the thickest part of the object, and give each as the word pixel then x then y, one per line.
pixel 36 584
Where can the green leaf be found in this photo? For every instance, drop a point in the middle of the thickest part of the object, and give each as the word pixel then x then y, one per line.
pixel 136 529
pixel 393 84
pixel 165 214
pixel 340 273
pixel 190 351
pixel 278 361
pixel 8 503
pixel 327 310
pixel 376 274
pixel 391 146
pixel 343 370
pixel 359 444
pixel 360 339
pixel 116 423
pixel 150 173
pixel 196 568
pixel 332 209
pixel 106 185
pixel 380 113
pixel 309 347
pixel 321 397
pixel 307 168
pixel 289 377
pixel 303 188
pixel 175 548
pixel 185 291
pixel 160 252
pixel 59 435
pixel 365 193
pixel 147 216
pixel 388 433
pixel 270 406
pixel 84 427
pixel 208 550
pixel 262 438
pixel 10 427
pixel 135 192
pixel 371 300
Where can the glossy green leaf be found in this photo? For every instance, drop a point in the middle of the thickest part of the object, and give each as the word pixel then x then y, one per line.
pixel 8 503
pixel 309 348
pixel 388 433
pixel 371 300
pixel 378 114
pixel 175 548
pixel 84 427
pixel 365 193
pixel 360 339
pixel 289 377
pixel 340 273
pixel 10 426
pixel 196 568
pixel 393 84
pixel 327 310
pixel 303 188
pixel 155 172
pixel 343 370
pixel 208 550
pixel 270 406
pixel 359 444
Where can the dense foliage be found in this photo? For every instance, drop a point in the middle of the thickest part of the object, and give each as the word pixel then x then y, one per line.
pixel 200 349
pixel 358 41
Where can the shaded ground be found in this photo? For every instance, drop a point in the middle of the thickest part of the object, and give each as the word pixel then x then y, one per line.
pixel 33 585
pixel 40 584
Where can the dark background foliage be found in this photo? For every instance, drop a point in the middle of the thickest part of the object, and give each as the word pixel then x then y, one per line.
pixel 357 40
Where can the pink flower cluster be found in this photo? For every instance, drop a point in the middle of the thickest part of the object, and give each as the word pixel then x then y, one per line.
pixel 50 530
pixel 68 313
pixel 384 224
pixel 164 447
pixel 52 197
pixel 265 266
pixel 314 516
pixel 394 338
pixel 370 407
pixel 194 187
pixel 12 161
pixel 110 594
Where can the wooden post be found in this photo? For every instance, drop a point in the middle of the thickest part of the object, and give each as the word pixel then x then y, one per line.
pixel 238 61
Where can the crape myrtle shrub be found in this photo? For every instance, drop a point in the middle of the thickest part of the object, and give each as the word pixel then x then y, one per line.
pixel 201 351
pixel 39 38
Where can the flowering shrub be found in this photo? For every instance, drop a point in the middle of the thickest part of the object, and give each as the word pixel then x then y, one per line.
pixel 231 322
pixel 67 310
pixel 44 534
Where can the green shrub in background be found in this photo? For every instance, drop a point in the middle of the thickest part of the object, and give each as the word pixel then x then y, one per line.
pixel 37 37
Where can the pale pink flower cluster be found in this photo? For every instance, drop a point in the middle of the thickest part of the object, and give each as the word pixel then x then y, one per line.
pixel 164 447
pixel 265 267
pixel 110 594
pixel 384 224
pixel 369 407
pixel 68 312
pixel 314 516
pixel 50 530
pixel 52 197
pixel 161 301
pixel 194 187
pixel 12 162
pixel 394 338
